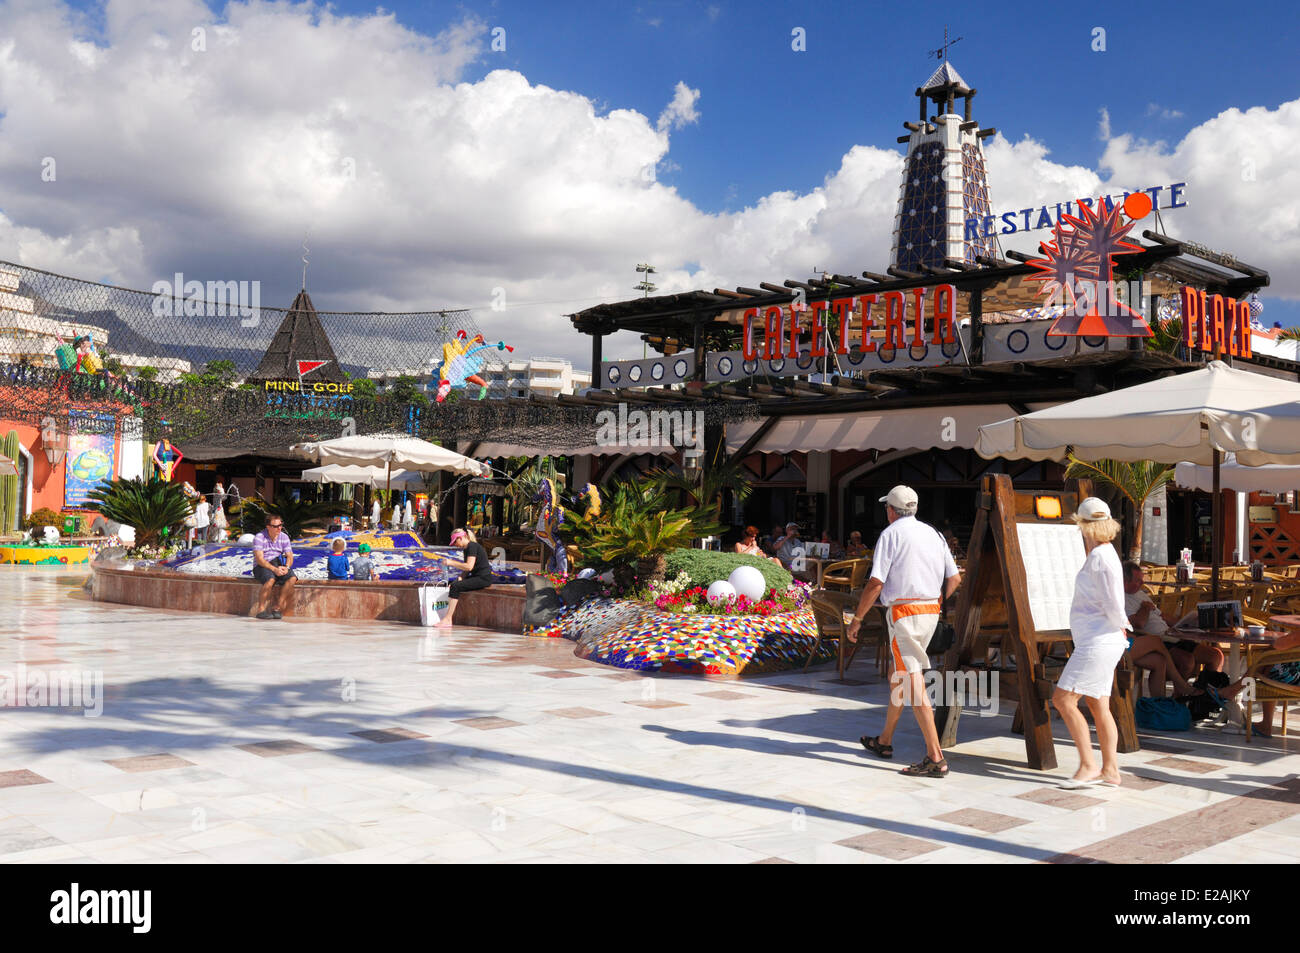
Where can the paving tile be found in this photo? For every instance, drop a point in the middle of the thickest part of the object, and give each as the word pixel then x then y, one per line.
pixel 661 703
pixel 1149 744
pixel 149 762
pixel 890 845
pixel 986 821
pixel 560 673
pixel 1186 764
pixel 274 749
pixel 1132 781
pixel 385 736
pixel 488 722
pixel 773 860
pixel 726 694
pixel 20 778
pixel 576 712
pixel 1056 797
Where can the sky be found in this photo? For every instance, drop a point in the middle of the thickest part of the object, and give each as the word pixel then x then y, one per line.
pixel 520 159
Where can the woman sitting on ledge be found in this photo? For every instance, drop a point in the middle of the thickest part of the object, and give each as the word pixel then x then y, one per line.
pixel 477 569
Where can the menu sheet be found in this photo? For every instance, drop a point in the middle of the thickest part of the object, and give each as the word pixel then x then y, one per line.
pixel 1053 555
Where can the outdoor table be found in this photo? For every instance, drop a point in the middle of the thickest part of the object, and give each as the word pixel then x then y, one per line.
pixel 818 565
pixel 1236 668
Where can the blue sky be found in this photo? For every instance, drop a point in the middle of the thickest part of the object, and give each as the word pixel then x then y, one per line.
pixel 773 119
pixel 782 161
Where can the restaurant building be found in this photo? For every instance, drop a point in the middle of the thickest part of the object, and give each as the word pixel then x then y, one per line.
pixel 861 381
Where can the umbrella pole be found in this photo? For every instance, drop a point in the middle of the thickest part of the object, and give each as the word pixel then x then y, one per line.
pixel 1216 531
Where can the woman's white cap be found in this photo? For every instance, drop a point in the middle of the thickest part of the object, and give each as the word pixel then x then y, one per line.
pixel 1091 510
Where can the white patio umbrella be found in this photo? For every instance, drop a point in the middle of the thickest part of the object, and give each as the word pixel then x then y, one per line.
pixel 1194 417
pixel 363 476
pixel 1270 478
pixel 392 453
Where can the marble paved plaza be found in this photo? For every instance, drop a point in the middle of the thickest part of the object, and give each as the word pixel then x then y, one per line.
pixel 228 739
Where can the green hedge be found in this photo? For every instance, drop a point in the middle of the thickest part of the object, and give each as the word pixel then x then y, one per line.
pixel 705 566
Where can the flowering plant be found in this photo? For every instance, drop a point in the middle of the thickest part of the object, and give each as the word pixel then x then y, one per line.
pixel 152 552
pixel 695 600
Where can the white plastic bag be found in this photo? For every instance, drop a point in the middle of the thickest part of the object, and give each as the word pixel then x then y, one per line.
pixel 434 601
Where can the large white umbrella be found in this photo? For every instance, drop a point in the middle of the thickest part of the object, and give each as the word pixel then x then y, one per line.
pixel 1270 478
pixel 1193 417
pixel 363 476
pixel 1189 417
pixel 392 453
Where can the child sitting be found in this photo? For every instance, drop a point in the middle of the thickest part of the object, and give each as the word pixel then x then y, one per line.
pixel 362 566
pixel 338 562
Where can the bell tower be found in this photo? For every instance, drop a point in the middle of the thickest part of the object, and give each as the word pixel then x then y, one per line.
pixel 944 181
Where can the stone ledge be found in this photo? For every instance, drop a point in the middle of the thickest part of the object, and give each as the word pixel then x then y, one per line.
pixel 496 607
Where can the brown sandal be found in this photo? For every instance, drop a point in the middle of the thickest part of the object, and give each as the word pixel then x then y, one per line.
pixel 872 744
pixel 925 768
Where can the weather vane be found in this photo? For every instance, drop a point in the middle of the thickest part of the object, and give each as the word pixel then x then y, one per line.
pixel 942 52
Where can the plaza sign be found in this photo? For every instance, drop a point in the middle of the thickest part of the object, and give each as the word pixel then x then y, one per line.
pixel 1215 323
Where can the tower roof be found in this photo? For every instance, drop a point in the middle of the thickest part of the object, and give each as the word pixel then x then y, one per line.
pixel 945 77
pixel 300 337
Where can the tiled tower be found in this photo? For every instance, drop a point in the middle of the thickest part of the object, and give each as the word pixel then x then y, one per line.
pixel 944 182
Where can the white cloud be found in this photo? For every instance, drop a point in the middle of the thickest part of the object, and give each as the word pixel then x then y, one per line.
pixel 1159 112
pixel 1103 124
pixel 681 111
pixel 215 164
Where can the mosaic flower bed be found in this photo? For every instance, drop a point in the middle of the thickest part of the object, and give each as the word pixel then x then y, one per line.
pixel 636 635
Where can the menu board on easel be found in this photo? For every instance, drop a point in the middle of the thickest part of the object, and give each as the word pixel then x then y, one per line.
pixel 1053 555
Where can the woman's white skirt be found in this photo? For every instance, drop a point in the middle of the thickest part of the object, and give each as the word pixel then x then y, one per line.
pixel 1090 669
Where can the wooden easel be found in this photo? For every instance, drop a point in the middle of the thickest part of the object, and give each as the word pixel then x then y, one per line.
pixel 996 580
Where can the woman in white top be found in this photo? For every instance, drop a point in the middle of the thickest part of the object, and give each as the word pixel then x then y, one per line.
pixel 1098 627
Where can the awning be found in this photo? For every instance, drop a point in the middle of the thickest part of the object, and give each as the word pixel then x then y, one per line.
pixel 913 428
pixel 491 450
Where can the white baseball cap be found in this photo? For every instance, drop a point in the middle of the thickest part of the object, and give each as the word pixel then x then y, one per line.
pixel 900 497
pixel 1091 510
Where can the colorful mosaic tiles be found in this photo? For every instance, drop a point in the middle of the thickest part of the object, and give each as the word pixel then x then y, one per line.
pixel 396 557
pixel 634 635
pixel 44 555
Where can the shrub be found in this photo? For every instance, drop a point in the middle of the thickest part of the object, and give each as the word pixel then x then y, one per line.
pixel 705 566
pixel 42 518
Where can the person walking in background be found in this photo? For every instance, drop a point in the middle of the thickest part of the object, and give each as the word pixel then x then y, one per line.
pixel 913 571
pixel 475 564
pixel 1098 626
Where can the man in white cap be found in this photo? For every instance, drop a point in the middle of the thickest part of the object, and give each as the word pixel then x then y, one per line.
pixel 912 569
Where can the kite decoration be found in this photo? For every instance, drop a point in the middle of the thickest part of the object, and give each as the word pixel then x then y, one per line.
pixel 1079 269
pixel 462 359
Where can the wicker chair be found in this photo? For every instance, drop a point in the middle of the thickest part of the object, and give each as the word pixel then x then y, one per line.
pixel 829 609
pixel 1267 690
pixel 848 575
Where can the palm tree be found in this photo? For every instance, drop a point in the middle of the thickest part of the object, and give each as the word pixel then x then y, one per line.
pixel 1135 480
pixel 704 489
pixel 155 508
pixel 1290 334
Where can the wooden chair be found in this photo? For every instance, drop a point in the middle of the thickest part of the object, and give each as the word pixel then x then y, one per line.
pixel 532 553
pixel 829 609
pixel 848 575
pixel 1267 690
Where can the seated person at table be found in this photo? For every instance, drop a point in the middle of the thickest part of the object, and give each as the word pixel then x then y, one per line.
pixel 791 546
pixel 1186 654
pixel 338 561
pixel 836 550
pixel 363 566
pixel 773 542
pixel 748 545
pixel 856 549
pixel 1288 673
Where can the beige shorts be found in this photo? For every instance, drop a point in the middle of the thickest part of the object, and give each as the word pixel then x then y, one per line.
pixel 911 626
